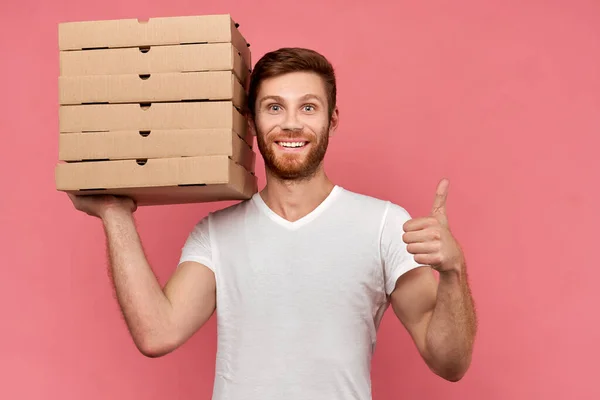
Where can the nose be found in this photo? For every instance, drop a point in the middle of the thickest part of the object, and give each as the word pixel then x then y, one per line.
pixel 291 122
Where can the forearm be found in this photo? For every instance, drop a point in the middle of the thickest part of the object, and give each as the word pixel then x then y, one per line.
pixel 145 307
pixel 451 331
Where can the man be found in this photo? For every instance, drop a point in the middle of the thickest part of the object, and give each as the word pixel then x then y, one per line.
pixel 301 274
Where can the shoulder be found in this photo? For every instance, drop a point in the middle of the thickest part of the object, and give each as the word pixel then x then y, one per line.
pixel 361 200
pixel 388 215
pixel 232 213
pixel 232 210
pixel 367 203
pixel 232 217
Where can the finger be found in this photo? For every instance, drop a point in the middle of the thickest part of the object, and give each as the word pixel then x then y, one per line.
pixel 416 224
pixel 134 205
pixel 423 248
pixel 423 235
pixel 439 203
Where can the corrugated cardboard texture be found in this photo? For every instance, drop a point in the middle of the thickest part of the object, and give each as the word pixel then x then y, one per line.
pixel 155 59
pixel 238 185
pixel 149 110
pixel 155 144
pixel 211 85
pixel 183 194
pixel 155 31
pixel 118 117
pixel 204 170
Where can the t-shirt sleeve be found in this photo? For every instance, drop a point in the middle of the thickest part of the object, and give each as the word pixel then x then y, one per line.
pixel 395 258
pixel 197 247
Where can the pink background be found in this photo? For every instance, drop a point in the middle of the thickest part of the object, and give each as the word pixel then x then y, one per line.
pixel 503 98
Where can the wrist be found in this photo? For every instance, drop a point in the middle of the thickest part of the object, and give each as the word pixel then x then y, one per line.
pixel 112 213
pixel 450 275
pixel 455 272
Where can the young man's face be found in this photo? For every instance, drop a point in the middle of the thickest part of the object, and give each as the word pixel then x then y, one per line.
pixel 292 124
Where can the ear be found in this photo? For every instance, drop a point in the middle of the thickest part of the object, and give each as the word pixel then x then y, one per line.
pixel 251 125
pixel 334 122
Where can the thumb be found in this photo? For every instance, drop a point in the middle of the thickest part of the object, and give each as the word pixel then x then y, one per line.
pixel 439 203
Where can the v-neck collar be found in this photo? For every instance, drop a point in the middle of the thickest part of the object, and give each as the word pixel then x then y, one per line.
pixel 260 203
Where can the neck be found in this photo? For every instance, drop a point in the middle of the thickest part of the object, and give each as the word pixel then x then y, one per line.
pixel 293 200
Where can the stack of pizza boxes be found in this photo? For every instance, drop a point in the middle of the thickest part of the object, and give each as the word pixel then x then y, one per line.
pixel 153 110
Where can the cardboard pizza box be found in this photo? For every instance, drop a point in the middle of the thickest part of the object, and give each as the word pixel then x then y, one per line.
pixel 153 110
pixel 160 181
pixel 155 59
pixel 82 35
pixel 151 116
pixel 132 145
pixel 149 88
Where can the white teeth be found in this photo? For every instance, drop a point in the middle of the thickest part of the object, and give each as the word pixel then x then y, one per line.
pixel 291 144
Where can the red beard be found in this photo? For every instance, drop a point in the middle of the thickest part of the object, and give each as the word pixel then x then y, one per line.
pixel 293 166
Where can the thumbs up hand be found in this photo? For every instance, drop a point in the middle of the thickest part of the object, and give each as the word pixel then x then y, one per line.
pixel 429 238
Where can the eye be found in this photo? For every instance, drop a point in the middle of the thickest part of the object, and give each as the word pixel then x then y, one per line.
pixel 274 107
pixel 309 108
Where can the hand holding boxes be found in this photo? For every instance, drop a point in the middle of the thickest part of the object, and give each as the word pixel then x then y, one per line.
pixel 153 110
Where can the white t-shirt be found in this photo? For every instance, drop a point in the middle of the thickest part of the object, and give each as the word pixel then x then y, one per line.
pixel 299 303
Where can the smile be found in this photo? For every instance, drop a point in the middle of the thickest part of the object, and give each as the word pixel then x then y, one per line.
pixel 292 145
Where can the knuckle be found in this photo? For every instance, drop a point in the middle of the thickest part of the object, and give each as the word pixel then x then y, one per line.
pixel 436 234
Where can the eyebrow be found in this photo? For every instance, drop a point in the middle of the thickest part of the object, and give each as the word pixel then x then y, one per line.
pixel 280 99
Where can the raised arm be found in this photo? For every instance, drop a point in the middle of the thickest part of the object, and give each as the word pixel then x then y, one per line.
pixel 159 319
pixel 440 316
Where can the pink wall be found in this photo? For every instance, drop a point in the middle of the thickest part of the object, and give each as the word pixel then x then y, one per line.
pixel 503 98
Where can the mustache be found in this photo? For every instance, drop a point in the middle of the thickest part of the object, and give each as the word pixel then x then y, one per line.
pixel 291 135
